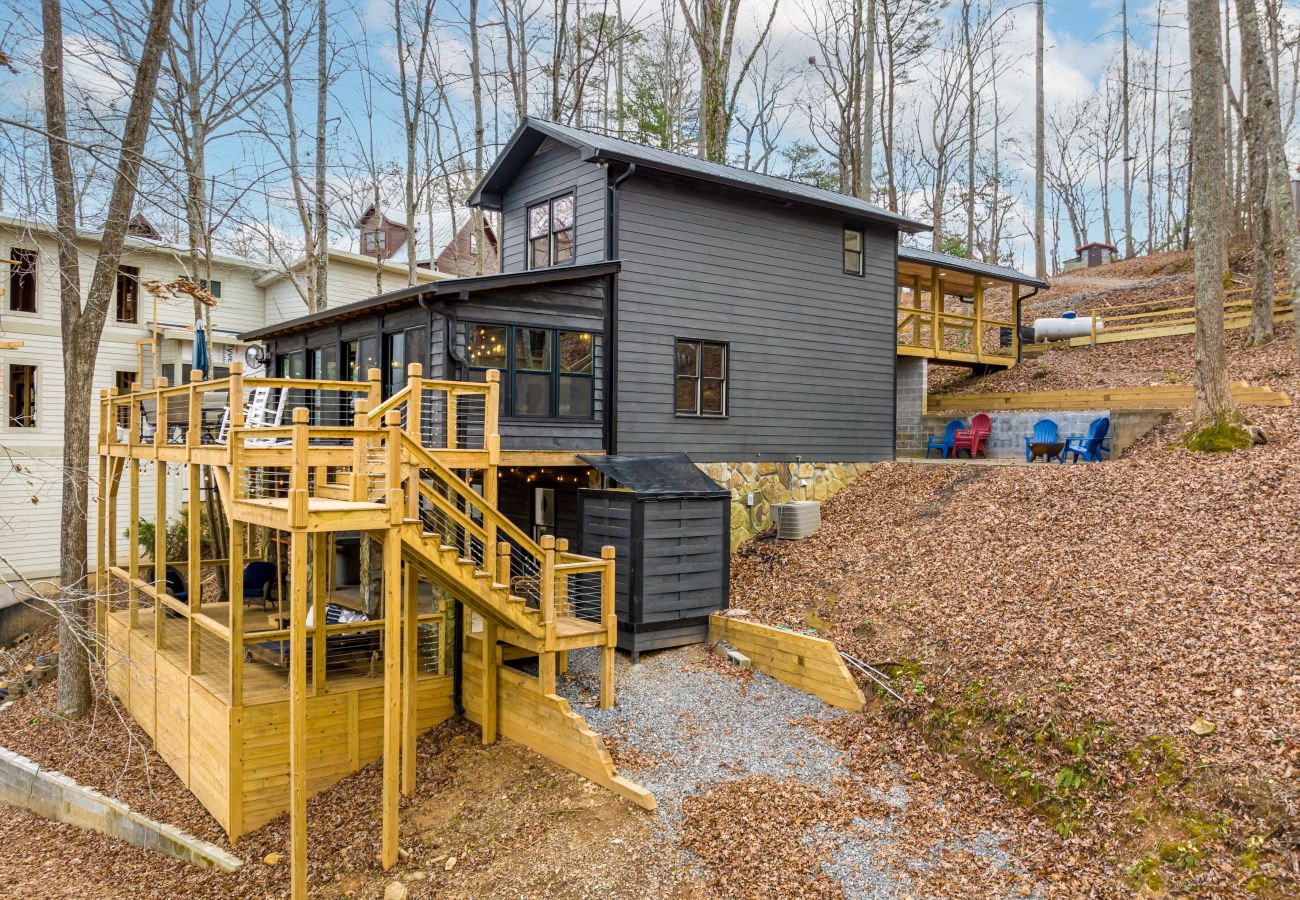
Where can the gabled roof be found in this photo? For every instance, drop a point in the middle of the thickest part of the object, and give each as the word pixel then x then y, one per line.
pixel 446 289
pixel 1102 244
pixel 595 147
pixel 970 266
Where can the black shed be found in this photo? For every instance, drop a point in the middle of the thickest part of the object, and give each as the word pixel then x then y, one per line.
pixel 670 524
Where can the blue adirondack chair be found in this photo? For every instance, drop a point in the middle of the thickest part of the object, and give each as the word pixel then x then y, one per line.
pixel 1045 432
pixel 176 585
pixel 1091 447
pixel 259 581
pixel 944 444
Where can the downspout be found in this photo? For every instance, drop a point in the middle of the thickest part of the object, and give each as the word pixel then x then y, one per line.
pixel 609 417
pixel 1016 315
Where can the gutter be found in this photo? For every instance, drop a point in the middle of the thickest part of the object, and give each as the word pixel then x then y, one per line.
pixel 1016 315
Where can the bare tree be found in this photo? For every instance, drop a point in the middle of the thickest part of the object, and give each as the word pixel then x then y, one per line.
pixel 1040 150
pixel 712 28
pixel 412 31
pixel 906 33
pixel 1261 87
pixel 1214 406
pixel 83 324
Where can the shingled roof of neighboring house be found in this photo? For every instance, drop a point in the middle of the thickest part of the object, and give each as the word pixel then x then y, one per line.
pixel 961 264
pixel 598 147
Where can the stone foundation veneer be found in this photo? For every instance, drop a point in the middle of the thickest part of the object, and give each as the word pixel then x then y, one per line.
pixel 771 483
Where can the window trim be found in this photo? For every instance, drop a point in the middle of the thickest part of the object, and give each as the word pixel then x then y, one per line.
pixel 36 284
pixel 861 251
pixel 6 371
pixel 549 203
pixel 699 379
pixel 507 373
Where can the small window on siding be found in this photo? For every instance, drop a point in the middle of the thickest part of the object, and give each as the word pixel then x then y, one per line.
pixel 128 294
pixel 22 396
pixel 22 280
pixel 550 232
pixel 701 378
pixel 852 251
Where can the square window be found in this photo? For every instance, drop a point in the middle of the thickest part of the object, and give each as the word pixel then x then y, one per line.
pixel 550 228
pixel 486 346
pixel 533 349
pixel 577 352
pixel 701 378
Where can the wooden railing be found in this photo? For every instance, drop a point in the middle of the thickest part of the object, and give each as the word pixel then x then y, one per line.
pixel 931 330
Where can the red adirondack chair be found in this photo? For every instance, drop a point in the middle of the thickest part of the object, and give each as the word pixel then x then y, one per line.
pixel 974 440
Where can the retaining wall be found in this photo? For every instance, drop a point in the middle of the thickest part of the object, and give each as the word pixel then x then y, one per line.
pixel 1007 440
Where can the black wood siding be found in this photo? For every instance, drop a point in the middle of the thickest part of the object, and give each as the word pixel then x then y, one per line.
pixel 554 169
pixel 811 349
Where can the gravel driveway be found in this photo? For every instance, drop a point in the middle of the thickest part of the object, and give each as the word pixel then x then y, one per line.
pixel 681 728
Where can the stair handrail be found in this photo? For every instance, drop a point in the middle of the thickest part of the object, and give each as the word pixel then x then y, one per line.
pixel 378 412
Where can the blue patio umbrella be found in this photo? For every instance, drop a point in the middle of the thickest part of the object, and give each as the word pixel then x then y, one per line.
pixel 201 361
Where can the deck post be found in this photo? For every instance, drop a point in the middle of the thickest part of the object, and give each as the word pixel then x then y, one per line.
pixel 235 396
pixel 319 597
pixel 360 446
pixel 298 471
pixel 979 316
pixel 546 657
pixel 236 598
pixel 936 310
pixel 375 391
pixel 414 401
pixel 610 619
pixel 1015 321
pixel 159 530
pixel 488 656
pixel 916 304
pixel 392 691
pixel 410 696
pixel 133 536
pixel 193 552
pixel 503 564
pixel 563 604
pixel 393 495
pixel 298 710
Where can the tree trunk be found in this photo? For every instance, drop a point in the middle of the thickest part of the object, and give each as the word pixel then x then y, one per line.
pixel 1128 162
pixel 1261 306
pixel 1261 87
pixel 1040 152
pixel 322 217
pixel 1213 399
pixel 83 327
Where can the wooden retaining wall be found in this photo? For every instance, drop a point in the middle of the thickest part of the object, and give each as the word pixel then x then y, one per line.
pixel 545 724
pixel 1158 396
pixel 809 663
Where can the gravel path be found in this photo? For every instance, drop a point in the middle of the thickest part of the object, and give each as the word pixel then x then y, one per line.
pixel 680 728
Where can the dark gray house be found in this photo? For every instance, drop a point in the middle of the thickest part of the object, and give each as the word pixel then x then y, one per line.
pixel 651 303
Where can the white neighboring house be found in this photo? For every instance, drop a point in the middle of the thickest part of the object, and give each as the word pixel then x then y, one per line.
pixel 31 364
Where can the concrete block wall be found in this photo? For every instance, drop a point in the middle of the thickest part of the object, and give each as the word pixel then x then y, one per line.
pixel 912 383
pixel 1007 439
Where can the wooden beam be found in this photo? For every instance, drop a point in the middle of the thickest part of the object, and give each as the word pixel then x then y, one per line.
pixel 298 713
pixel 608 616
pixel 936 310
pixel 195 557
pixel 978 301
pixel 159 545
pixel 392 557
pixel 551 458
pixel 319 597
pixel 410 674
pixel 490 658
pixel 236 582
pixel 133 538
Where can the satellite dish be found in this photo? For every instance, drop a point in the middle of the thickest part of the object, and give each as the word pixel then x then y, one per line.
pixel 255 357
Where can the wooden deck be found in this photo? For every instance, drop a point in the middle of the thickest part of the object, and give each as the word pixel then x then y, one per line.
pixel 941 317
pixel 256 705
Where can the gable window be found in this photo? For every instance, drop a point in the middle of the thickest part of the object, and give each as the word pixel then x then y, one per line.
pixel 22 280
pixel 372 242
pixel 545 373
pixel 22 396
pixel 701 388
pixel 550 232
pixel 852 251
pixel 128 294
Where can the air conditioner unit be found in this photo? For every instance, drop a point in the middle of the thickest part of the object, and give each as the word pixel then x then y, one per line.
pixel 797 519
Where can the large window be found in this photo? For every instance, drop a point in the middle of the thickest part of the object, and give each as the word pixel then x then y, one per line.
pixel 128 294
pixel 360 355
pixel 701 388
pixel 22 280
pixel 852 251
pixel 545 372
pixel 22 396
pixel 550 232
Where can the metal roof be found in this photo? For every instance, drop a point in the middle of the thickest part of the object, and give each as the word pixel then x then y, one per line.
pixel 598 147
pixel 660 475
pixel 445 289
pixel 961 264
